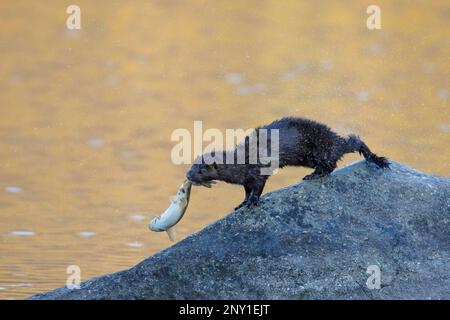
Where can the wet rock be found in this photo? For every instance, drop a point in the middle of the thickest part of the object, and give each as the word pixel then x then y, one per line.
pixel 312 240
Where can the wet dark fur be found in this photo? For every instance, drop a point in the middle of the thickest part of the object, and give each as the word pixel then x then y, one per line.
pixel 302 142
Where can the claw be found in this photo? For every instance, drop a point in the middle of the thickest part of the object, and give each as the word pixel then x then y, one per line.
pixel 238 207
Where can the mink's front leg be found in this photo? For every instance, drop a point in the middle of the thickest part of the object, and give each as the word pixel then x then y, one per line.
pixel 257 188
pixel 248 191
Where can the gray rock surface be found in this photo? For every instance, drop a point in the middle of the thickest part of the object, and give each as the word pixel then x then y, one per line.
pixel 312 240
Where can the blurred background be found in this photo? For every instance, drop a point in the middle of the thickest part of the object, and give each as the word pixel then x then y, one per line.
pixel 86 116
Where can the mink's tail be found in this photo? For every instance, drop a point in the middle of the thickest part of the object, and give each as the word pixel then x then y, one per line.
pixel 354 143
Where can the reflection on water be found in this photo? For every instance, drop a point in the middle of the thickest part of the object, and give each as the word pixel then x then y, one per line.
pixel 87 116
pixel 22 233
pixel 86 234
pixel 13 189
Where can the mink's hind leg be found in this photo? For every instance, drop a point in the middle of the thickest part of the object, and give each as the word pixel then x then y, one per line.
pixel 320 171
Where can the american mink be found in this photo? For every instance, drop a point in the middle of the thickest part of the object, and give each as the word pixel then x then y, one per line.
pixel 302 142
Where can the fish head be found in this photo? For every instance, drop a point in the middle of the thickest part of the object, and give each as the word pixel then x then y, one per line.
pixel 202 174
pixel 185 189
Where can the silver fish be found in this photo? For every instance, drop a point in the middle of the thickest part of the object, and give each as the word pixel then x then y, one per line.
pixel 174 212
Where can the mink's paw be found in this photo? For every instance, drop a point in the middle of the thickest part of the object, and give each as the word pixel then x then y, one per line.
pixel 309 177
pixel 381 162
pixel 313 176
pixel 252 202
pixel 240 206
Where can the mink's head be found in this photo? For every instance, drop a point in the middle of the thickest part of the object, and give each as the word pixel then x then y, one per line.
pixel 203 174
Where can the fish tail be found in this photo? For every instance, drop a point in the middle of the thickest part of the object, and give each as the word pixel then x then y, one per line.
pixel 172 234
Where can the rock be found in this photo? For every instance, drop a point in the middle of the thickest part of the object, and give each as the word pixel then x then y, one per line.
pixel 312 240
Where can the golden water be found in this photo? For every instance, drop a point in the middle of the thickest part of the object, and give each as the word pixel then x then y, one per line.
pixel 86 116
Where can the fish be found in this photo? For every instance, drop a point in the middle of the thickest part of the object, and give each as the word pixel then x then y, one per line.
pixel 174 213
